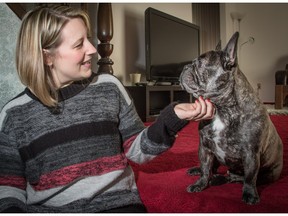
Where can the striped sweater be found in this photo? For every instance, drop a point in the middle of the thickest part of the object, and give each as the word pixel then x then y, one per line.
pixel 75 158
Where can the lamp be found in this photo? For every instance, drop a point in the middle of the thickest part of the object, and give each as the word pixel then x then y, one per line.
pixel 250 40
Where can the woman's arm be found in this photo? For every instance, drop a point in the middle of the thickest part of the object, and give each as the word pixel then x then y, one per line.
pixel 143 144
pixel 12 180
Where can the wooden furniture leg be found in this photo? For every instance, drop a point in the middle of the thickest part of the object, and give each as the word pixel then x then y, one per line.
pixel 105 34
pixel 281 92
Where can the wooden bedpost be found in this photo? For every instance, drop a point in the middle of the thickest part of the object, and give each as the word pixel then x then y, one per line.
pixel 104 35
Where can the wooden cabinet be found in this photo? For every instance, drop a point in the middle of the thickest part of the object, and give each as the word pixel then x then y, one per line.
pixel 150 100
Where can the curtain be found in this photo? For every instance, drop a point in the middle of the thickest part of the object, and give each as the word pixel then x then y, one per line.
pixel 207 17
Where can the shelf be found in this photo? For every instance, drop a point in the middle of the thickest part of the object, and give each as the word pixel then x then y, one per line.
pixel 150 100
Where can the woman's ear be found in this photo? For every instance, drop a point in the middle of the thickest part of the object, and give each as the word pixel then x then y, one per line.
pixel 47 57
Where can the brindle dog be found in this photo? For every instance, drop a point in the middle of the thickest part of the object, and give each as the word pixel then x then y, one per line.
pixel 241 136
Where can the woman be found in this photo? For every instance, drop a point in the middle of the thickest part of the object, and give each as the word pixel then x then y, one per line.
pixel 66 139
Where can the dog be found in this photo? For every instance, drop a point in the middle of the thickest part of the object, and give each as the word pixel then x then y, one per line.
pixel 241 135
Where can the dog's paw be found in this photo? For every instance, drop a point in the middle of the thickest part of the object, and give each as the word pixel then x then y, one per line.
pixel 218 179
pixel 250 199
pixel 194 188
pixel 194 171
pixel 250 195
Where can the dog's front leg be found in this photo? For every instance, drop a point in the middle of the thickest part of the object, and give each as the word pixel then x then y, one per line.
pixel 206 158
pixel 251 168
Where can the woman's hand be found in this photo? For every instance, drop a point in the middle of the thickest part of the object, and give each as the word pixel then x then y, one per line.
pixel 200 110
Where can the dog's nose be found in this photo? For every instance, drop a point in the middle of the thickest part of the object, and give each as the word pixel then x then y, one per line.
pixel 181 80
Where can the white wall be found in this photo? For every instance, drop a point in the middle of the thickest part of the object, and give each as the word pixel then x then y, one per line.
pixel 267 23
pixel 129 34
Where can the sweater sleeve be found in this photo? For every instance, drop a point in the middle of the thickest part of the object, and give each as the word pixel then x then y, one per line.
pixel 166 126
pixel 140 143
pixel 12 180
pixel 155 139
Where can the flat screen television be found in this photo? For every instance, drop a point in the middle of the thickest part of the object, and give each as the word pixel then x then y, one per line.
pixel 170 43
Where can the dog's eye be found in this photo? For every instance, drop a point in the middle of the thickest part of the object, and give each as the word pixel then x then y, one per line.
pixel 222 80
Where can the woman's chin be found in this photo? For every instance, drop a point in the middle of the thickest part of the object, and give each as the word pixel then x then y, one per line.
pixel 87 73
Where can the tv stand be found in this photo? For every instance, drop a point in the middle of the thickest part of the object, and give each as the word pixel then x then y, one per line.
pixel 167 83
pixel 150 100
pixel 163 83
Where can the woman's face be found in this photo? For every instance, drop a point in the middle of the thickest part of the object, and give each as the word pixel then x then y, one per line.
pixel 72 59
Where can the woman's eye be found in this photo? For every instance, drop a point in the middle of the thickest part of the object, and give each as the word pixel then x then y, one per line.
pixel 79 45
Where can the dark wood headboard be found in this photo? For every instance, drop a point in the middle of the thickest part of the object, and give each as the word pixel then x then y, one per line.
pixel 104 35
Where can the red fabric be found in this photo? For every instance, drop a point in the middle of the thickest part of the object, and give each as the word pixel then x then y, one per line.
pixel 67 174
pixel 162 182
pixel 13 181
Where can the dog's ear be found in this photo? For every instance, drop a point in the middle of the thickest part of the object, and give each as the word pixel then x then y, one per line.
pixel 218 46
pixel 231 51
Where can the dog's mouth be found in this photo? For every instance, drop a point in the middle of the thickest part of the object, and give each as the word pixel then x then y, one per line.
pixel 189 81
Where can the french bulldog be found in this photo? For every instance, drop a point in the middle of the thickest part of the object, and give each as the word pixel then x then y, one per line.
pixel 241 135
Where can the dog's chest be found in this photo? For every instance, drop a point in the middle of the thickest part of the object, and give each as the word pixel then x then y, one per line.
pixel 218 128
pixel 218 139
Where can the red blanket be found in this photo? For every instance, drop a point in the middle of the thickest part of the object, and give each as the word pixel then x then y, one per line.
pixel 162 182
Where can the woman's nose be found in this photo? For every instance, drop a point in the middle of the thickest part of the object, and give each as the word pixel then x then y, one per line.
pixel 91 49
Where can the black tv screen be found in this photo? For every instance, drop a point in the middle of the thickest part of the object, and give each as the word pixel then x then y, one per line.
pixel 170 43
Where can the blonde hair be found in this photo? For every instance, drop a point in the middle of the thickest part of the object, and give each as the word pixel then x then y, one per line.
pixel 41 29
